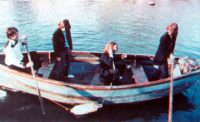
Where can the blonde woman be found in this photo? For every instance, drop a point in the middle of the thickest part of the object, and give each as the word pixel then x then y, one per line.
pixel 108 72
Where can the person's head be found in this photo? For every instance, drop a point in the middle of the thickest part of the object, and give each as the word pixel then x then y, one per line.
pixel 172 29
pixel 64 25
pixel 12 33
pixel 111 45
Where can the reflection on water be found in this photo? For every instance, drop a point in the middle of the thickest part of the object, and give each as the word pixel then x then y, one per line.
pixel 136 27
pixel 26 107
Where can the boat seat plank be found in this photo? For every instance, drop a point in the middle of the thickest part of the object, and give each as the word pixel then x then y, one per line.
pixel 46 69
pixel 138 73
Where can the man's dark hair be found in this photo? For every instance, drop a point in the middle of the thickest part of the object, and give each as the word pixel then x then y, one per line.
pixel 67 24
pixel 11 31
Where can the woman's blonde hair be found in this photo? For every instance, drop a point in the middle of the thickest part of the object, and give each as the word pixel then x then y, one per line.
pixel 174 28
pixel 110 44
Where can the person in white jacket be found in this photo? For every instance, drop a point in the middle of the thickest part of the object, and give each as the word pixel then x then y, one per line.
pixel 13 54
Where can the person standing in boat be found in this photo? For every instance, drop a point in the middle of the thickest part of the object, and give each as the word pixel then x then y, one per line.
pixel 108 72
pixel 166 49
pixel 62 45
pixel 13 55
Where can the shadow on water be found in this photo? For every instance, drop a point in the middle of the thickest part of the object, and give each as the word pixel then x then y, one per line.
pixel 25 107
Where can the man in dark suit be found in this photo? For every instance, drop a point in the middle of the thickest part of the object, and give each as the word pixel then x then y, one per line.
pixel 165 49
pixel 62 45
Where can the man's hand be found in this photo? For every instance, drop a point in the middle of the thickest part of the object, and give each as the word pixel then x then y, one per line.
pixel 29 64
pixel 58 59
pixel 152 58
pixel 123 56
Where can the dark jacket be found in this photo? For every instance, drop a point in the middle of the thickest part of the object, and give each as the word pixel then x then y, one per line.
pixel 59 44
pixel 166 47
pixel 106 63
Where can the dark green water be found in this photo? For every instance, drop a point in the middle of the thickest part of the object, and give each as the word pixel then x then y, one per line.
pixel 135 26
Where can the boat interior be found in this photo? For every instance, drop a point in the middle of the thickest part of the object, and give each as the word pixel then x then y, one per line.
pixel 84 68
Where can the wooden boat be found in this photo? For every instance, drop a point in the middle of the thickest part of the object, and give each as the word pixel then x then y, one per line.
pixel 81 89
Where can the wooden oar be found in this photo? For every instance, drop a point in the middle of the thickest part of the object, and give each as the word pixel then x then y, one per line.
pixel 24 38
pixel 170 110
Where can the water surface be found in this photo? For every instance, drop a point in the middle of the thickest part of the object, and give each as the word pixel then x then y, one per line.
pixel 134 25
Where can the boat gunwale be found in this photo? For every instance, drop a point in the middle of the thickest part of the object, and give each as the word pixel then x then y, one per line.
pixel 90 87
pixel 93 87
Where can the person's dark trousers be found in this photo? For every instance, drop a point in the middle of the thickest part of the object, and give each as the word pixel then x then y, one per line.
pixel 67 62
pixel 114 75
pixel 111 75
pixel 62 66
pixel 164 69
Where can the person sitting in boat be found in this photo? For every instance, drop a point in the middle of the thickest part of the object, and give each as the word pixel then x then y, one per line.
pixel 166 49
pixel 108 72
pixel 13 55
pixel 62 45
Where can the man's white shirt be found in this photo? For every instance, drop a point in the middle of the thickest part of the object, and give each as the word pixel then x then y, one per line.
pixel 13 55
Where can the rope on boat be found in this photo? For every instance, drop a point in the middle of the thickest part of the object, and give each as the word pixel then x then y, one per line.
pixel 81 109
pixel 62 106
